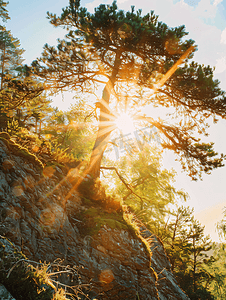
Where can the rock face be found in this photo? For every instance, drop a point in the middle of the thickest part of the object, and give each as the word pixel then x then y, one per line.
pixel 43 215
pixel 4 294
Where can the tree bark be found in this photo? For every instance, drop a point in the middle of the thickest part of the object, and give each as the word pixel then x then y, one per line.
pixel 194 266
pixel 3 64
pixel 102 138
pixel 104 129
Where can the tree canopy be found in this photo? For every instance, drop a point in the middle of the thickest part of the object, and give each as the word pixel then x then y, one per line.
pixel 17 85
pixel 139 61
pixel 118 49
pixel 4 14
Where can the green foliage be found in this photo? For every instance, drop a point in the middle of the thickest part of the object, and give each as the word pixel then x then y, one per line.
pixel 13 96
pixel 94 191
pixel 44 150
pixel 99 209
pixel 216 269
pixel 17 86
pixel 221 226
pixel 70 132
pixel 188 248
pixel 175 237
pixel 135 50
pixel 94 218
pixel 4 15
pixel 11 54
pixel 32 114
pixel 134 229
pixel 149 189
pixel 38 147
pixel 19 150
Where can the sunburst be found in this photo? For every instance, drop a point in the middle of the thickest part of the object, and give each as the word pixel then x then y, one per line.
pixel 125 123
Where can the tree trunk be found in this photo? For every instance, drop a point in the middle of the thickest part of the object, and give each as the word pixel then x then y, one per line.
pixel 194 266
pixel 104 129
pixel 173 240
pixel 3 64
pixel 103 135
pixel 40 128
pixel 36 125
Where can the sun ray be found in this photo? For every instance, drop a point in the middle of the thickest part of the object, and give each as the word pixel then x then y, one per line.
pixel 107 123
pixel 171 70
pixel 106 130
pixel 106 105
pixel 88 170
pixel 125 123
pixel 102 132
pixel 108 116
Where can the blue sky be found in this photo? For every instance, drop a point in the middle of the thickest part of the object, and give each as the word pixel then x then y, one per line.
pixel 205 20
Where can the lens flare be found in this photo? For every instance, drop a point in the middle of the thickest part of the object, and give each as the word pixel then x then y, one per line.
pixel 124 122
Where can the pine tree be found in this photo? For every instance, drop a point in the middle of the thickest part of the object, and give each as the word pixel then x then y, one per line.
pixel 4 14
pixel 17 86
pixel 11 55
pixel 175 237
pixel 32 114
pixel 216 269
pixel 221 226
pixel 118 48
pixel 187 248
pixel 200 245
pixel 16 92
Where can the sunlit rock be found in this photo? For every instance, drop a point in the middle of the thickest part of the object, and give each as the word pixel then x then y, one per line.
pixel 45 217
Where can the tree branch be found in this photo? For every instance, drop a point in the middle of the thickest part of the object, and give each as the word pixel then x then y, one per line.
pixel 123 180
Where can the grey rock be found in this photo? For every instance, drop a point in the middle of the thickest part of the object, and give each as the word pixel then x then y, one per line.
pixel 114 264
pixel 4 294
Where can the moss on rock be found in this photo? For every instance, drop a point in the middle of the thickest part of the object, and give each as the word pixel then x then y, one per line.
pixel 19 150
pixel 95 217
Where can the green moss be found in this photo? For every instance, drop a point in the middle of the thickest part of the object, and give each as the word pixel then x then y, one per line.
pixel 97 223
pixel 105 210
pixel 92 212
pixel 135 232
pixel 19 150
pixel 87 201
pixel 96 217
pixel 112 223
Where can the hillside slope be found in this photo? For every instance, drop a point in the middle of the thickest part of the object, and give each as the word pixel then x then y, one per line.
pixel 47 219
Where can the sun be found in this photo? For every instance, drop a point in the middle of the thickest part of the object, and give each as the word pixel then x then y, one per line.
pixel 125 123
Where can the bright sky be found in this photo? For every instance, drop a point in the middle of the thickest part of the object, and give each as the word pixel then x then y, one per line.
pixel 205 20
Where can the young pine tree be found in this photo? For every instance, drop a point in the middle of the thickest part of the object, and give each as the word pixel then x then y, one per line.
pixel 188 250
pixel 17 86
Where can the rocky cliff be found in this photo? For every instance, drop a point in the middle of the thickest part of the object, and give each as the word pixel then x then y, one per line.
pixel 44 216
